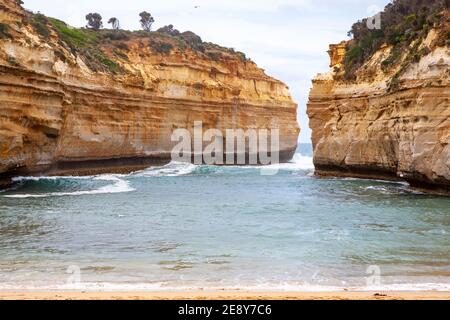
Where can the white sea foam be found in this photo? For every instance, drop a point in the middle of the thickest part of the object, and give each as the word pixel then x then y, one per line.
pixel 405 287
pixel 173 169
pixel 176 169
pixel 51 178
pixel 299 162
pixel 401 183
pixel 396 188
pixel 376 188
pixel 119 186
pixel 266 287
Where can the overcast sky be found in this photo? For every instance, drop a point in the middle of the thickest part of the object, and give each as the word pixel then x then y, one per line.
pixel 287 38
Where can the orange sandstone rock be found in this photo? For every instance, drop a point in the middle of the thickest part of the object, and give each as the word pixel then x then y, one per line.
pixel 363 129
pixel 59 116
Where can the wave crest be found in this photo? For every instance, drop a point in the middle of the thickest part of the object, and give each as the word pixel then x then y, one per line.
pixel 173 169
pixel 119 186
pixel 176 169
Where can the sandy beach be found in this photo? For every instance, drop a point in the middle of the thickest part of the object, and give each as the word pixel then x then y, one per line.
pixel 224 295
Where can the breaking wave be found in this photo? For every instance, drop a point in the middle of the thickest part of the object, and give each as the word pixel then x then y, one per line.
pixel 176 169
pixel 118 186
pixel 173 169
pixel 299 162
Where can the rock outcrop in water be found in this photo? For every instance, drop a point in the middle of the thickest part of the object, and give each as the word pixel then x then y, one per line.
pixel 82 101
pixel 392 119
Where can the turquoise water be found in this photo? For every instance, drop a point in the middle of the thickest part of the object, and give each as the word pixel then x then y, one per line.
pixel 188 227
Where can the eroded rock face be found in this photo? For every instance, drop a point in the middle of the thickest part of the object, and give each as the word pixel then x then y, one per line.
pixel 363 129
pixel 337 54
pixel 57 115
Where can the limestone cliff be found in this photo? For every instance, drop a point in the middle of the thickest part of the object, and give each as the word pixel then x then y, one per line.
pixel 82 101
pixel 388 122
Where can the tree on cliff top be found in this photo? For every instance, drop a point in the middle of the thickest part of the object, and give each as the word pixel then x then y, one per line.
pixel 114 22
pixel 94 21
pixel 170 30
pixel 146 20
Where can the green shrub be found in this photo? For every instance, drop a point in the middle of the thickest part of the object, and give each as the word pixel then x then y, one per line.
pixel 353 56
pixel 118 35
pixel 193 40
pixel 393 58
pixel 372 42
pixel 13 62
pixel 394 84
pixel 142 33
pixel 98 62
pixel 108 63
pixel 411 19
pixel 161 47
pixel 40 24
pixel 4 31
pixel 59 54
pixel 181 44
pixel 121 55
pixel 214 55
pixel 121 46
pixel 170 30
pixel 352 60
pixel 242 56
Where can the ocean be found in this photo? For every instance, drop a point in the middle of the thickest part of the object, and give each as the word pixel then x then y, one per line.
pixel 188 227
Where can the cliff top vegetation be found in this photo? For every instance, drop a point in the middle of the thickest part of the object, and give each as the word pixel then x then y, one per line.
pixel 402 23
pixel 101 49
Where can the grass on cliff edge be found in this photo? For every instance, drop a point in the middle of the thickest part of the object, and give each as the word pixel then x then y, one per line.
pixel 88 43
pixel 75 38
pixel 84 42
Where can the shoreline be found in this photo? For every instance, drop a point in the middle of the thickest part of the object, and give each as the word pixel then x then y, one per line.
pixel 224 295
